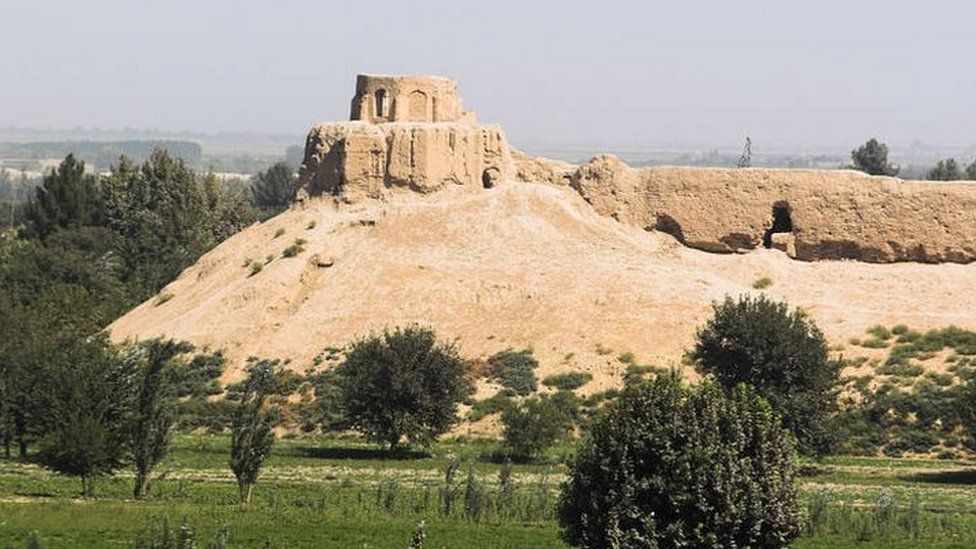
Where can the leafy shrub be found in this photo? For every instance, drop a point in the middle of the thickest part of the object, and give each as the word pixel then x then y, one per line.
pixel 874 343
pixel 163 298
pixel 879 332
pixel 899 330
pixel 567 381
pixel 279 232
pixel 535 425
pixel 762 283
pixel 310 226
pixel 663 453
pixel 902 369
pixel 781 353
pixel 627 358
pixel 515 371
pixel 403 384
pixel 491 405
pixel 297 247
pixel 635 373
pixel 256 267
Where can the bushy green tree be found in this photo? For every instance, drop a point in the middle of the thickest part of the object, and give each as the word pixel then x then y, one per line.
pixel 274 189
pixel 536 424
pixel 971 171
pixel 68 198
pixel 780 352
pixel 872 157
pixel 52 295
pixel 252 431
pixel 403 384
pixel 669 467
pixel 87 433
pixel 945 170
pixel 153 408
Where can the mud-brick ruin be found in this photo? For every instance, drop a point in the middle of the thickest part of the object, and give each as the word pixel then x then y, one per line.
pixel 410 132
pixel 405 132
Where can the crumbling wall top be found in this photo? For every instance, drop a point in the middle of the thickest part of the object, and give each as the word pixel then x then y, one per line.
pixel 407 98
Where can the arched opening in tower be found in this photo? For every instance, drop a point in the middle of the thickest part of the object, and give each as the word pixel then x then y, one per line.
pixel 782 223
pixel 381 107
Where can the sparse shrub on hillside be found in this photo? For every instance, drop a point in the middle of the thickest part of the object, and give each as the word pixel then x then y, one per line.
pixel 515 371
pixel 781 353
pixel 403 384
pixel 636 373
pixel 163 298
pixel 879 332
pixel 627 358
pixel 311 225
pixel 279 232
pixel 297 247
pixel 567 381
pixel 256 267
pixel 874 343
pixel 762 283
pixel 495 404
pixel 663 453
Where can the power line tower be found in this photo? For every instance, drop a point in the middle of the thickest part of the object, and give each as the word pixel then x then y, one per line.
pixel 745 160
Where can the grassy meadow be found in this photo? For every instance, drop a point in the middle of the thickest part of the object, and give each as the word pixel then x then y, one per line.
pixel 339 492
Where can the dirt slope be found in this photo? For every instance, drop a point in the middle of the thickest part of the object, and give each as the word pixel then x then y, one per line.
pixel 522 265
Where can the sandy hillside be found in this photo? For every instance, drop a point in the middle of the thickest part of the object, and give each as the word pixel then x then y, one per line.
pixel 522 265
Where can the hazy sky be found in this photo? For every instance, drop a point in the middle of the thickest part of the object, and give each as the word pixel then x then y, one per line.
pixel 792 73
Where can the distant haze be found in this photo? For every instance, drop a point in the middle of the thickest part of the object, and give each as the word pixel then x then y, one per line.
pixel 789 73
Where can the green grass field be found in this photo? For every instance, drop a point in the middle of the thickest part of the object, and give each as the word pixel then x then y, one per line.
pixel 343 493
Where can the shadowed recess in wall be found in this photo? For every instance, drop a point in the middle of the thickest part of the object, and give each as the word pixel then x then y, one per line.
pixel 782 223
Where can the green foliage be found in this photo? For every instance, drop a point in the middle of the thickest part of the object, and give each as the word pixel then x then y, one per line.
pixel 68 198
pixel 762 283
pixel 515 371
pixel 663 454
pixel 907 414
pixel 568 381
pixel 279 232
pixel 403 384
pixel 297 247
pixel 535 425
pixel 252 432
pixel 494 404
pixel 782 354
pixel 872 157
pixel 166 217
pixel 274 189
pixel 157 385
pixel 86 429
pixel 971 171
pixel 880 332
pixel 945 170
pixel 255 268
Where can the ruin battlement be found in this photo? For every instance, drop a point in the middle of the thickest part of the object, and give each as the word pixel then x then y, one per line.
pixel 407 98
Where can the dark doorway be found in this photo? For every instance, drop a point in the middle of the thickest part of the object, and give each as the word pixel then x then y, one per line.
pixel 782 223
pixel 490 177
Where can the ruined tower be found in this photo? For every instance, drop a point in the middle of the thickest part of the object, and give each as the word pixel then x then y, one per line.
pixel 405 132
